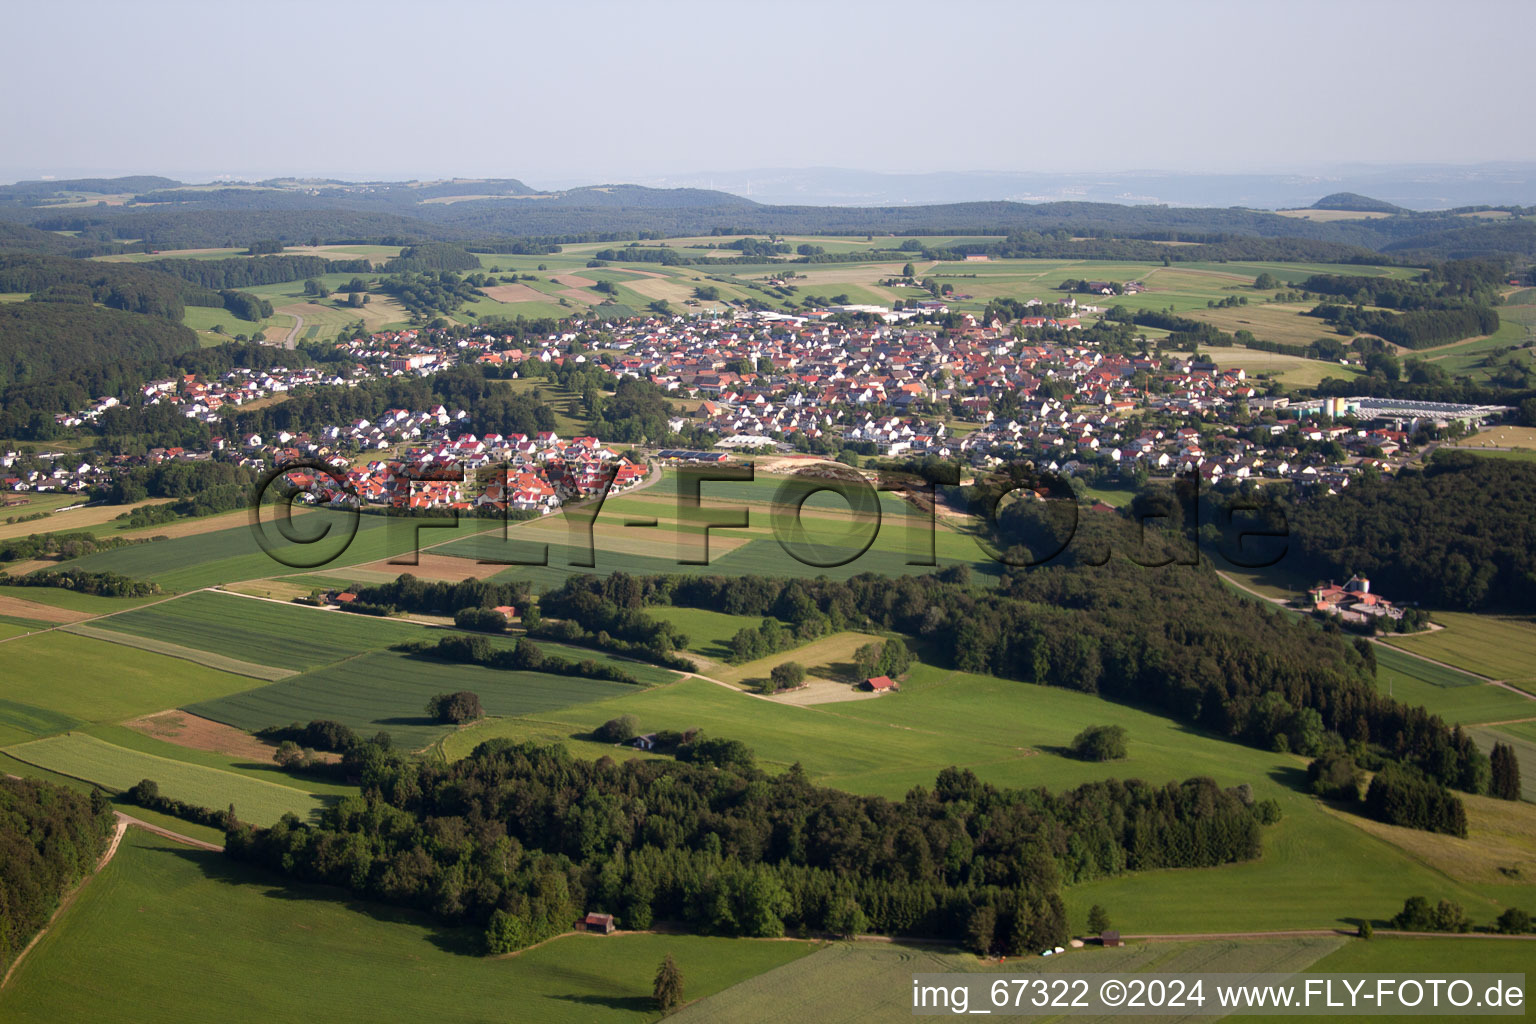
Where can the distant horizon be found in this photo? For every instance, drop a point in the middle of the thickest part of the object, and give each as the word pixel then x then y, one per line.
pixel 1418 186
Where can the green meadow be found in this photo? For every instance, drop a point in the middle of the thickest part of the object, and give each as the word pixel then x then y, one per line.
pixel 247 936
pixel 60 678
pixel 388 692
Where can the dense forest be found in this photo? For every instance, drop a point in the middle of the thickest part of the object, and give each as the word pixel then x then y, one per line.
pixel 524 839
pixel 1449 302
pixel 126 286
pixel 50 838
pixel 30 351
pixel 1459 534
pixel 246 273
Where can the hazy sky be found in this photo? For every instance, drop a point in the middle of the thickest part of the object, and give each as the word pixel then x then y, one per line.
pixel 565 91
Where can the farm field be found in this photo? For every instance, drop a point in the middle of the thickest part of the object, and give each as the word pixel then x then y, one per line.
pixel 262 632
pixel 66 679
pixel 389 692
pixel 22 769
pixel 1500 844
pixel 1497 646
pixel 74 519
pixel 85 757
pixel 233 553
pixel 252 939
pixel 830 534
pixel 70 601
pixel 251 758
pixel 1502 436
pixel 201 657
pixel 1292 371
pixel 1406 955
pixel 1285 322
pixel 872 981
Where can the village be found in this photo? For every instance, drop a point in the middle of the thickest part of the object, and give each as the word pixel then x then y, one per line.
pixel 760 382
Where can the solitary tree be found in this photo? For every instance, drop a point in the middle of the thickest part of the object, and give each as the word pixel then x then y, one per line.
pixel 1098 920
pixel 787 675
pixel 669 986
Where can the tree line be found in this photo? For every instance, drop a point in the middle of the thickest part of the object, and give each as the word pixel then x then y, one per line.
pixel 523 656
pixel 218 275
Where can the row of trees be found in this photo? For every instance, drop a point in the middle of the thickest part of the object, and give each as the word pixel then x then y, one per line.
pixel 408 593
pixel 522 839
pixel 524 656
pixel 103 584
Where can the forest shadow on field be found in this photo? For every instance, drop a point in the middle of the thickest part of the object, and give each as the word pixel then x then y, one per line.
pixel 630 1004
pixel 219 868
pixel 1290 776
pixel 417 720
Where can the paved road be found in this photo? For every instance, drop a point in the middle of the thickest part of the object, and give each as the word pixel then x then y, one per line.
pixel 293 336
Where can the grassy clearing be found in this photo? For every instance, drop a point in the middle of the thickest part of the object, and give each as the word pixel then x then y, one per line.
pixel 251 939
pixel 283 636
pixel 85 757
pixel 389 692
pixel 709 633
pixel 56 674
pixel 828 658
pixel 1497 646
